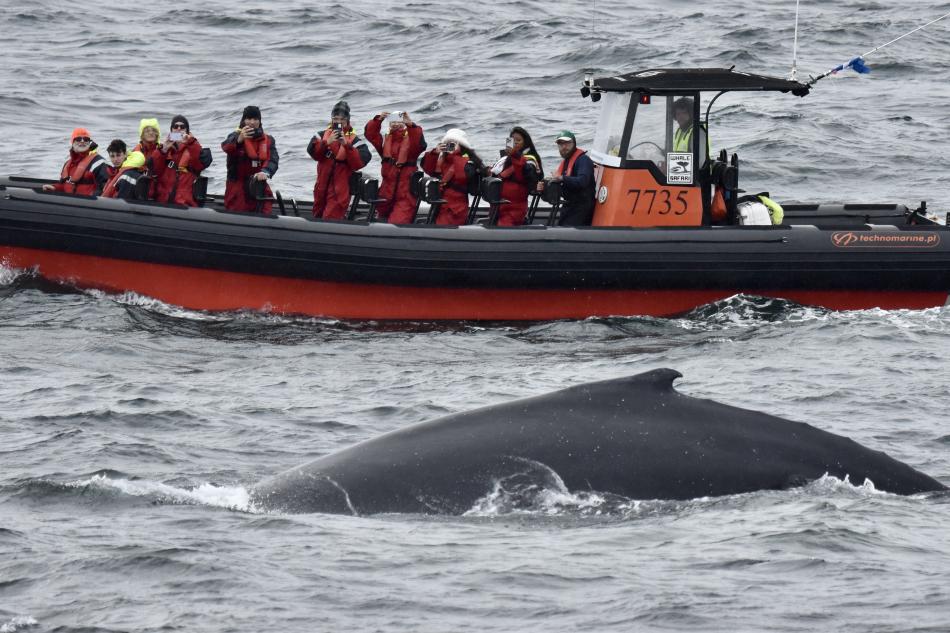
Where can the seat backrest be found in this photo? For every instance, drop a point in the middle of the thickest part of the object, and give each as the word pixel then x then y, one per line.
pixel 415 183
pixel 369 189
pixel 199 190
pixel 356 180
pixel 473 178
pixel 142 186
pixel 491 190
pixel 257 188
pixel 552 191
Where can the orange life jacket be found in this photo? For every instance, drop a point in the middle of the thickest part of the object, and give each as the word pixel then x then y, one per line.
pixel 349 136
pixel 718 207
pixel 75 175
pixel 147 151
pixel 184 153
pixel 403 154
pixel 110 188
pixel 561 170
pixel 257 150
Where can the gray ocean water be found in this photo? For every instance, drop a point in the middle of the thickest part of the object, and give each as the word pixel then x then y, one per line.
pixel 131 430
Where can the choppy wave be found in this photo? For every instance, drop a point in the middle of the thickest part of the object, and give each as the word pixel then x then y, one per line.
pixel 538 491
pixel 18 623
pixel 240 393
pixel 9 275
pixel 523 494
pixel 206 494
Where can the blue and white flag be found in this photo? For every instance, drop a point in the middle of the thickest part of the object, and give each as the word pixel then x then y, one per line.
pixel 857 64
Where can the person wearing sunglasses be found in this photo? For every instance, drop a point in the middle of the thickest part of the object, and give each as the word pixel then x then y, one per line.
pixel 181 164
pixel 85 173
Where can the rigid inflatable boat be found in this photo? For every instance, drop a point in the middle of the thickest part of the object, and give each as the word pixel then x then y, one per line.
pixel 654 247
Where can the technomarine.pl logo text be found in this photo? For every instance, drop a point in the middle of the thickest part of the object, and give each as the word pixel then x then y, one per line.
pixel 853 239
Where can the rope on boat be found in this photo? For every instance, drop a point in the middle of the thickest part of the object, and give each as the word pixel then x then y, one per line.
pixel 795 45
pixel 857 64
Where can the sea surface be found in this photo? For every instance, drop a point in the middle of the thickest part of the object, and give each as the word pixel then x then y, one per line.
pixel 131 431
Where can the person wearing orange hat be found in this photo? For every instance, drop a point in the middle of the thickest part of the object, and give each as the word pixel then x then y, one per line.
pixel 399 150
pixel 85 173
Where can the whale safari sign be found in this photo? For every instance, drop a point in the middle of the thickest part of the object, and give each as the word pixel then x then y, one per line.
pixel 667 236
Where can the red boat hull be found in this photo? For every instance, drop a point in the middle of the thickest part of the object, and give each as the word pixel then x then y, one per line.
pixel 216 290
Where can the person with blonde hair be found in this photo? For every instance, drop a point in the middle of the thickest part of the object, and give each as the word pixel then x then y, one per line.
pixel 149 132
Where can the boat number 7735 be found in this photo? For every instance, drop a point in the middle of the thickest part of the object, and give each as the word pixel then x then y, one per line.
pixel 659 201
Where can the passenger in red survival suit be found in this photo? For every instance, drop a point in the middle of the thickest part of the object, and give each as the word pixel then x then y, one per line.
pixel 399 151
pixel 252 158
pixel 84 173
pixel 338 152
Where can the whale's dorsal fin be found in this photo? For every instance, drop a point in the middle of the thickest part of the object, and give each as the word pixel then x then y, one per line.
pixel 659 379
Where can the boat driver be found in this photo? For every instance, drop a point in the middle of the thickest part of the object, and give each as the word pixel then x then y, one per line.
pixel 683 135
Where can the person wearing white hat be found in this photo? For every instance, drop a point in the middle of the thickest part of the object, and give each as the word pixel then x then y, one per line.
pixel 447 162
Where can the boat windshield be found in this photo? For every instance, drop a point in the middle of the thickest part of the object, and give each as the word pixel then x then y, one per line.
pixel 650 139
pixel 613 118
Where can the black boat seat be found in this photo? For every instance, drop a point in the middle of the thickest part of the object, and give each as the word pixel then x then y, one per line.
pixel 258 190
pixel 142 186
pixel 491 193
pixel 551 193
pixel 365 189
pixel 199 190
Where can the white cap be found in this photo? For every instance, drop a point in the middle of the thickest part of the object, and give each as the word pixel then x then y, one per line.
pixel 456 135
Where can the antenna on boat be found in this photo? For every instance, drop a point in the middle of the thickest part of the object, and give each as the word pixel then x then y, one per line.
pixel 857 63
pixel 795 45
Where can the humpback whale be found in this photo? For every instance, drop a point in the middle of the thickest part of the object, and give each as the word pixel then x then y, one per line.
pixel 634 436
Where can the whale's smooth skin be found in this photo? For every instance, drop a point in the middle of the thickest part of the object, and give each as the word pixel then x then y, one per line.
pixel 635 436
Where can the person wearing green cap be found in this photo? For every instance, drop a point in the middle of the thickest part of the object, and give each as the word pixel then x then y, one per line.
pixel 576 175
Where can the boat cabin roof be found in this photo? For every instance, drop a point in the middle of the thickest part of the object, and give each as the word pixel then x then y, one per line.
pixel 661 81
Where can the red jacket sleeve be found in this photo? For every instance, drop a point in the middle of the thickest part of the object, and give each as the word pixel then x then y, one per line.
pixel 231 146
pixel 515 169
pixel 373 135
pixel 459 177
pixel 430 161
pixel 417 143
pixel 316 149
pixel 357 154
pixel 158 161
